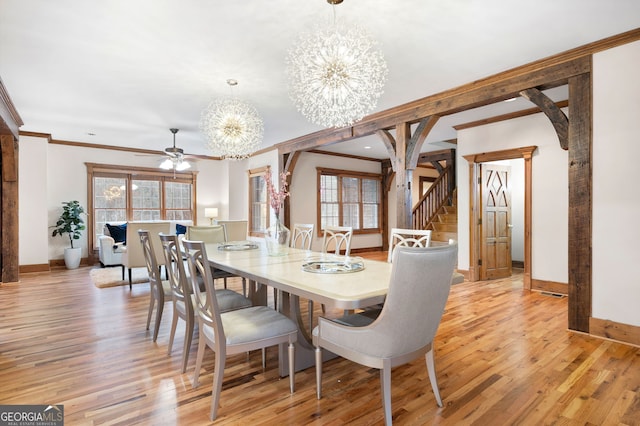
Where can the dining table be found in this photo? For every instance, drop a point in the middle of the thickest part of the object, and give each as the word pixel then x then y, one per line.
pixel 342 282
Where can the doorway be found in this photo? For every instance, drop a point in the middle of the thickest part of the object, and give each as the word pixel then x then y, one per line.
pixel 475 215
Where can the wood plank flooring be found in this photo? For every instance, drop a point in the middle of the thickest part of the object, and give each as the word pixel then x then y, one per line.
pixel 503 356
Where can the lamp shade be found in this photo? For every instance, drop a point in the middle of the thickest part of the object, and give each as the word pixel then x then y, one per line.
pixel 211 212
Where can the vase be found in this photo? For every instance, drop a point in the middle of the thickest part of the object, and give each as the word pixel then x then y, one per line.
pixel 277 239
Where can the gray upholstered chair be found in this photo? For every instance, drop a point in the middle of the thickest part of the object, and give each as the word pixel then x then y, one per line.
pixel 408 238
pixel 228 333
pixel 335 237
pixel 405 329
pixel 160 290
pixel 182 295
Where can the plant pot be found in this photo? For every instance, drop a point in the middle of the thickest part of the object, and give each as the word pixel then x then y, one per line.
pixel 72 257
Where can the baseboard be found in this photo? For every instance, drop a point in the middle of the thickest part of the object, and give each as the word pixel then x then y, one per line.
pixel 611 330
pixel 517 264
pixel 59 263
pixel 550 286
pixel 25 269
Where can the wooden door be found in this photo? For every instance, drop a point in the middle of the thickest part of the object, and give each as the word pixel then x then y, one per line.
pixel 496 222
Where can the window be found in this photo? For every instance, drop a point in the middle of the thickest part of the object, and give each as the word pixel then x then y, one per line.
pixel 117 194
pixel 258 202
pixel 349 199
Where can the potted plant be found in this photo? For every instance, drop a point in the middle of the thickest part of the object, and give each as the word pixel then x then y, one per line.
pixel 71 223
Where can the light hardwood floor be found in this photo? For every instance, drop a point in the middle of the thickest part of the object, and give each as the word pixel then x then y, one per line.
pixel 503 356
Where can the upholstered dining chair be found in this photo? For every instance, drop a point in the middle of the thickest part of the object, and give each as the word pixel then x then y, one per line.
pixel 213 234
pixel 418 291
pixel 334 238
pixel 408 238
pixel 182 295
pixel 228 333
pixel 160 290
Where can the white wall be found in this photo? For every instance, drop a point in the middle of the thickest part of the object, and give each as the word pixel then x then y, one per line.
pixel 616 197
pixel 549 192
pixel 32 210
pixel 50 174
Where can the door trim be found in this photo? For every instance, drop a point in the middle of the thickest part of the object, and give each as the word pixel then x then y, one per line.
pixel 474 160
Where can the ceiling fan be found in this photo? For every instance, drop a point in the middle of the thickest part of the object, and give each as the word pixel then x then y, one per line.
pixel 175 157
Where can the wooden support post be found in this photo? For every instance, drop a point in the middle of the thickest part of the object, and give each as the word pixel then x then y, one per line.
pixel 580 202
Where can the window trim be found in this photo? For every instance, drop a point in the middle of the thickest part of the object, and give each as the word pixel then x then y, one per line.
pixel 349 174
pixel 260 171
pixel 133 172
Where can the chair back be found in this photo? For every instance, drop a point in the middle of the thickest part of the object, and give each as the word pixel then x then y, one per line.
pixel 408 238
pixel 335 237
pixel 302 236
pixel 236 229
pixel 418 291
pixel 207 234
pixel 133 257
pixel 180 287
pixel 153 269
pixel 206 302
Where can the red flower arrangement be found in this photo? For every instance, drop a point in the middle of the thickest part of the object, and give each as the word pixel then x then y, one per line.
pixel 276 198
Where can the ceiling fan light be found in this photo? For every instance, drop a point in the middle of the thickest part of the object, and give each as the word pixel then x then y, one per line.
pixel 183 165
pixel 167 164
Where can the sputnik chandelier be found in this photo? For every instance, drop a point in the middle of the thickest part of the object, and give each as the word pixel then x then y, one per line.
pixel 233 128
pixel 336 74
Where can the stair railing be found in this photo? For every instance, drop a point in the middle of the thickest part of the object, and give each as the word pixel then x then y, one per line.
pixel 438 194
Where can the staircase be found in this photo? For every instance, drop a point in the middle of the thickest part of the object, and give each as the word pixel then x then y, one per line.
pixel 444 226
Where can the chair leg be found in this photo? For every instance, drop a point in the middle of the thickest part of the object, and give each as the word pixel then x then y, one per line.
pixel 174 324
pixel 201 345
pixel 431 369
pixel 318 372
pixel 292 368
pixel 218 374
pixel 188 337
pixel 130 286
pixel 158 318
pixel 385 381
pixel 122 266
pixel 310 308
pixel 151 303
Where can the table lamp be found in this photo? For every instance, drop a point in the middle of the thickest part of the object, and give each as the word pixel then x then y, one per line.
pixel 211 213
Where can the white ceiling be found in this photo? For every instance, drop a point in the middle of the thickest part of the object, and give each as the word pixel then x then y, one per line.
pixel 128 70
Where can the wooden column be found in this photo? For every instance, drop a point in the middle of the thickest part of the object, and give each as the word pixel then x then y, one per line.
pixel 9 260
pixel 403 177
pixel 580 202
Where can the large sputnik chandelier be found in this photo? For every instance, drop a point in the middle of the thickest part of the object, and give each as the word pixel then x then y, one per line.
pixel 233 128
pixel 336 74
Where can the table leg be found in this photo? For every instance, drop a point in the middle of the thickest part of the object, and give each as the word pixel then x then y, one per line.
pixel 305 351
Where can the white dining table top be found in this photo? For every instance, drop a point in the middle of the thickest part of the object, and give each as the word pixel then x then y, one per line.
pixel 349 290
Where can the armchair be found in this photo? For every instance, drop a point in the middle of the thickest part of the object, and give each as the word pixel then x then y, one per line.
pixel 418 291
pixel 109 252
